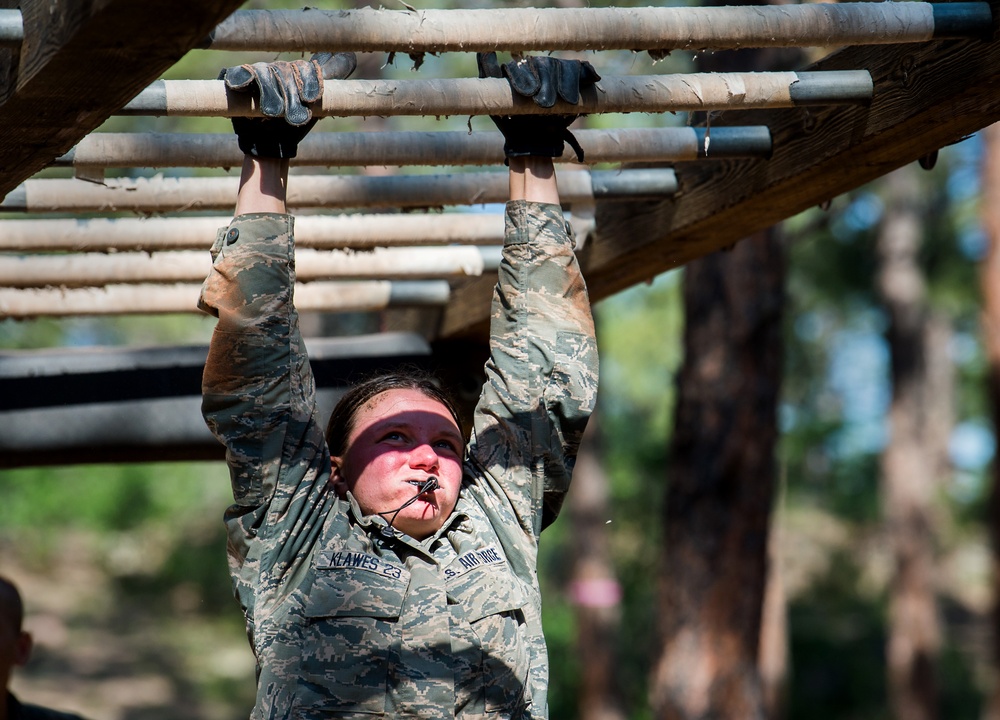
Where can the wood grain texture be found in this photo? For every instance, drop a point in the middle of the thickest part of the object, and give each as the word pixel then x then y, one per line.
pixel 926 96
pixel 81 60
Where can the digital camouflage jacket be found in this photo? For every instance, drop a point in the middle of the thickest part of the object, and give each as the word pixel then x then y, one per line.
pixel 343 621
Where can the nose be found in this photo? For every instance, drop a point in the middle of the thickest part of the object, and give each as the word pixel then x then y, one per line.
pixel 423 457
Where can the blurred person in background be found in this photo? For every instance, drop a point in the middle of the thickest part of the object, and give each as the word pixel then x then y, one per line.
pixel 15 650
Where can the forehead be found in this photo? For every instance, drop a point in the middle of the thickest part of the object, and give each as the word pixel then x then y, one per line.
pixel 402 407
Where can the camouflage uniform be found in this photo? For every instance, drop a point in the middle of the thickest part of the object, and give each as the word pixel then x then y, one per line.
pixel 344 621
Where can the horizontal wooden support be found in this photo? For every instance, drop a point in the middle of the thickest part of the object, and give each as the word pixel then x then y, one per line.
pixel 491 96
pixel 331 297
pixel 45 366
pixel 33 379
pixel 330 149
pixel 97 269
pixel 317 232
pixel 81 61
pixel 643 28
pixel 162 194
pixel 139 404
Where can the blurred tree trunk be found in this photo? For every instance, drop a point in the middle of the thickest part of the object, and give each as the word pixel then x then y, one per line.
pixel 722 475
pixel 593 588
pixel 911 460
pixel 721 484
pixel 990 281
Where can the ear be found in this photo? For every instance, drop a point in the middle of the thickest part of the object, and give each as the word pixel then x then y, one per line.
pixel 22 649
pixel 337 479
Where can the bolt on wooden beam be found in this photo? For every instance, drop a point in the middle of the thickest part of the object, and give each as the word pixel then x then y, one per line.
pixel 330 297
pixel 665 28
pixel 96 269
pixel 317 232
pixel 171 194
pixel 330 149
pixel 491 96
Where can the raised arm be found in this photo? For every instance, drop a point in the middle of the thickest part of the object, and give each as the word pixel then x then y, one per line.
pixel 258 394
pixel 263 186
pixel 533 178
pixel 542 372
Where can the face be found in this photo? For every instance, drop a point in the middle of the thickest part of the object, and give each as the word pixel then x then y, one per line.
pixel 401 438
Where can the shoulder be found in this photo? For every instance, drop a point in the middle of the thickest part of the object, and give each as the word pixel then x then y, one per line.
pixel 34 712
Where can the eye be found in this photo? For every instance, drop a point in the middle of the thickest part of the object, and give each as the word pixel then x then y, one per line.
pixel 449 445
pixel 393 436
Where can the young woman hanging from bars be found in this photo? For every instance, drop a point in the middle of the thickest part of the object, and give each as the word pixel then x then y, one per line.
pixel 387 565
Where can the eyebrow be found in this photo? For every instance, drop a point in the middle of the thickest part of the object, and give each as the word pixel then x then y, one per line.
pixel 388 424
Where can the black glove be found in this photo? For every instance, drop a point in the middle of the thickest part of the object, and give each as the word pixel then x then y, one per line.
pixel 285 89
pixel 542 79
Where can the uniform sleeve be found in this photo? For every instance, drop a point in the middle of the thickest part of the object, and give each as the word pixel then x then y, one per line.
pixel 542 372
pixel 258 399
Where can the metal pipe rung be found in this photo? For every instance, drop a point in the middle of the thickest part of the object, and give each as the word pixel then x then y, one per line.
pixel 172 194
pixel 331 297
pixel 670 28
pixel 330 149
pixel 11 28
pixel 491 96
pixel 97 269
pixel 642 28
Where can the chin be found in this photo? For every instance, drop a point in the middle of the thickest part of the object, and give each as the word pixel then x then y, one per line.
pixel 420 530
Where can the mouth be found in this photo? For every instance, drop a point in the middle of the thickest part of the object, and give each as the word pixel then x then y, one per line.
pixel 425 487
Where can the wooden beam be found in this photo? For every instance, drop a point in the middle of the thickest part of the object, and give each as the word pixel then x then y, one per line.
pixel 80 62
pixel 926 97
pixel 84 405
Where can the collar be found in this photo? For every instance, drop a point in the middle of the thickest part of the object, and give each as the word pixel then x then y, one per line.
pixel 375 526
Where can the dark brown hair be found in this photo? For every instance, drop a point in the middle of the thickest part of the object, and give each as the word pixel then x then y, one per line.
pixel 341 422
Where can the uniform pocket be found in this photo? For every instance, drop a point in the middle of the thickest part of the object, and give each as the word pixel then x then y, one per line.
pixel 492 603
pixel 351 627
